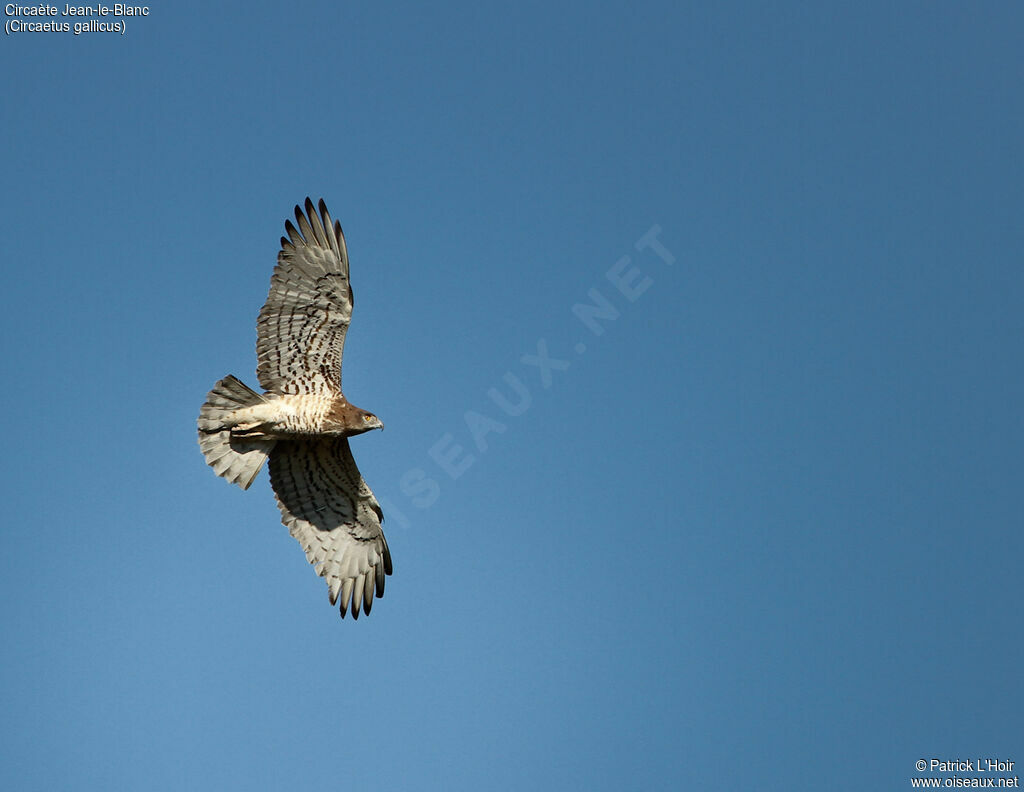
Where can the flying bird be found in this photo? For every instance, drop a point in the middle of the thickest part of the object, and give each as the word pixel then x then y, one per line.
pixel 302 421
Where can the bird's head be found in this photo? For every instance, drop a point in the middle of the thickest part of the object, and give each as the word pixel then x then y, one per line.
pixel 346 419
pixel 367 421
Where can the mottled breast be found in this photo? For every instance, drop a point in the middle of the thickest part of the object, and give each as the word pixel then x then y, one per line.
pixel 301 413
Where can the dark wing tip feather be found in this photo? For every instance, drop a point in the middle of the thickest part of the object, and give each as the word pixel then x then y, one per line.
pixel 308 235
pixel 372 588
pixel 313 228
pixel 317 225
pixel 331 229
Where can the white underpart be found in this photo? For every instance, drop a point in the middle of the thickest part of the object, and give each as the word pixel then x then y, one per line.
pixel 286 414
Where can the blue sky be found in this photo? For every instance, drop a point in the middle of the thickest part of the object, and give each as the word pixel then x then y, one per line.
pixel 761 531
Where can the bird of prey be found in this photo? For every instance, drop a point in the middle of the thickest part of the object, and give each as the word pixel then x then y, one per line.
pixel 303 420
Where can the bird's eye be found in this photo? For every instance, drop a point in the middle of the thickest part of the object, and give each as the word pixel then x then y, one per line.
pixel 367 417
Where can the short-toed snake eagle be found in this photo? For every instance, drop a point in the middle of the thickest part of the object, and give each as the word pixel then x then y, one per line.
pixel 303 420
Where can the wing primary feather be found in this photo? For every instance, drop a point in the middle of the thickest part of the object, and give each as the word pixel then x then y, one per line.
pixel 357 595
pixel 346 593
pixel 304 227
pixel 318 228
pixel 342 247
pixel 332 238
pixel 293 234
pixel 368 593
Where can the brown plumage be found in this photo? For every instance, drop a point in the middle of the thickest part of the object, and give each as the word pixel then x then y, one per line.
pixel 303 421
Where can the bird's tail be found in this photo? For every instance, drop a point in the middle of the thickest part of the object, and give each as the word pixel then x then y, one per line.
pixel 237 460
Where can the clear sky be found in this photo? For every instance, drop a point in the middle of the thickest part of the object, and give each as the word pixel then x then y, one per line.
pixel 696 330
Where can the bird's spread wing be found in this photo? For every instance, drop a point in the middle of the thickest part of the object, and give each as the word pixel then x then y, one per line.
pixel 301 328
pixel 329 508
